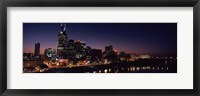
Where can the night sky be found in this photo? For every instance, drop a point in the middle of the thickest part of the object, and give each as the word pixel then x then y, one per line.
pixel 140 38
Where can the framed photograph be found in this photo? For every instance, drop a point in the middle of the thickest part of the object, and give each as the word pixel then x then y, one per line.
pixel 85 47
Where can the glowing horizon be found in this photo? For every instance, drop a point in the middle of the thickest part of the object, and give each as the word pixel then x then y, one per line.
pixel 139 38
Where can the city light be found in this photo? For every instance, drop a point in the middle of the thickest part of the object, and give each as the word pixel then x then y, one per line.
pixel 75 56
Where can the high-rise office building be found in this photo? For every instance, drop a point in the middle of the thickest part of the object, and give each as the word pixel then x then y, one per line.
pixel 37 49
pixel 50 53
pixel 108 49
pixel 62 39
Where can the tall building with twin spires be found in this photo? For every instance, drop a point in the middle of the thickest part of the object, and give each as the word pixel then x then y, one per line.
pixel 62 40
pixel 70 49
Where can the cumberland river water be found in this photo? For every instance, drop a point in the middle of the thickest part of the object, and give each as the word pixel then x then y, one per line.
pixel 139 66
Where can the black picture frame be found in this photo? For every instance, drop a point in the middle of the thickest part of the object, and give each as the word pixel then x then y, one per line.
pixel 98 3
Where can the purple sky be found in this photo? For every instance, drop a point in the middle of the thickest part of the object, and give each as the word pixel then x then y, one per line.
pixel 141 38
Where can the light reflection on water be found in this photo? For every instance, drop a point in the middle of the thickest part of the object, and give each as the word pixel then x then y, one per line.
pixel 133 69
pixel 129 67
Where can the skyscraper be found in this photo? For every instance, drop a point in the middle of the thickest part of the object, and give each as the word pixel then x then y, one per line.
pixel 108 49
pixel 50 53
pixel 37 49
pixel 62 39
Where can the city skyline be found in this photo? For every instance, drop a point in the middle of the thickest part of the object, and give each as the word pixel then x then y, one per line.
pixel 140 38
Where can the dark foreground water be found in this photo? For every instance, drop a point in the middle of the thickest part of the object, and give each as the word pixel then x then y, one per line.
pixel 139 66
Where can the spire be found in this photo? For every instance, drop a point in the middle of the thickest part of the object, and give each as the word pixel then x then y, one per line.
pixel 63 27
